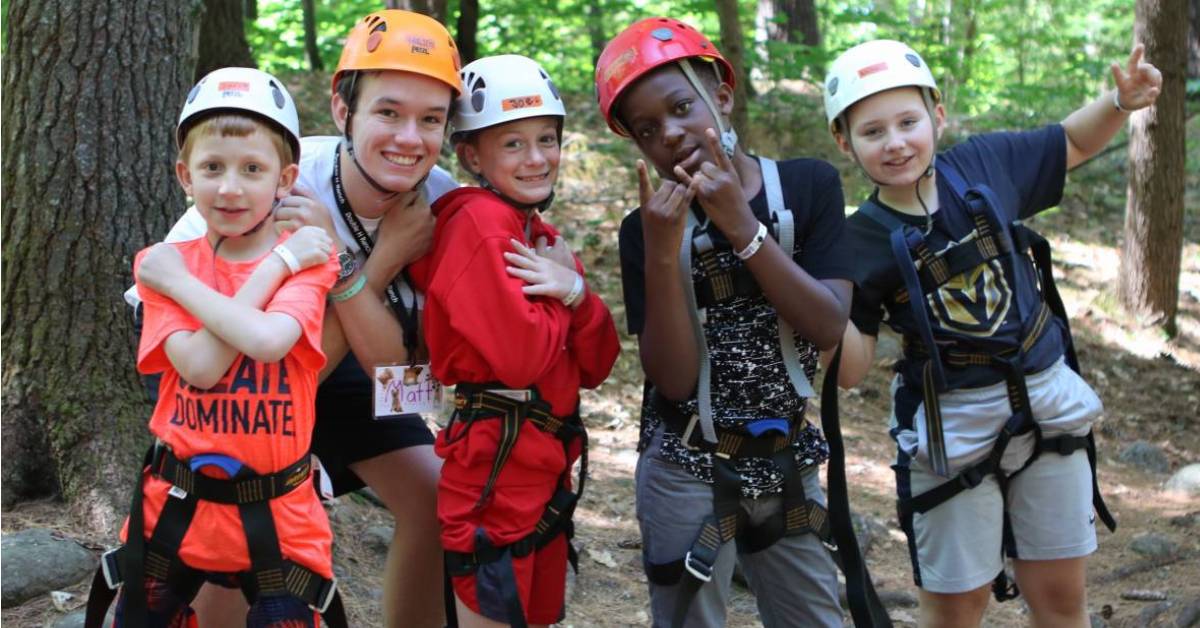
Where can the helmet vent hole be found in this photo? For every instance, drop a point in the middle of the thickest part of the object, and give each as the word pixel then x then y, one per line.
pixel 913 59
pixel 195 91
pixel 478 98
pixel 553 89
pixel 277 95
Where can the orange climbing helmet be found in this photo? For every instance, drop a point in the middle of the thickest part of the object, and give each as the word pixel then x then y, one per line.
pixel 401 40
pixel 644 46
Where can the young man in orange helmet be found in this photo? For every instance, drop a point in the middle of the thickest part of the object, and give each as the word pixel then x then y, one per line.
pixel 370 189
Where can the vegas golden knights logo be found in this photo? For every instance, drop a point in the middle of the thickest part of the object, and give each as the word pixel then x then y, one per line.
pixel 975 302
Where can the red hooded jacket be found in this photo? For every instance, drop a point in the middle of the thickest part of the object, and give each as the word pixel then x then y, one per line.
pixel 481 327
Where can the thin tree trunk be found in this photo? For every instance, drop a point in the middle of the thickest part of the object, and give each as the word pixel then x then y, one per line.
pixel 433 8
pixel 91 95
pixel 223 38
pixel 251 9
pixel 733 48
pixel 310 36
pixel 803 25
pixel 1150 255
pixel 595 27
pixel 465 32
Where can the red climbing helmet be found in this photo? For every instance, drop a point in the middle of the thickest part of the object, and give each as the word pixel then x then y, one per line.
pixel 643 46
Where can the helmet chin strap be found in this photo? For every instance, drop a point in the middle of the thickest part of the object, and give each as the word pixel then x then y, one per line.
pixel 729 137
pixel 348 142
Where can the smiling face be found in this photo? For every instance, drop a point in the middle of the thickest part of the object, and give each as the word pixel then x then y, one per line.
pixel 667 119
pixel 519 158
pixel 398 124
pixel 893 137
pixel 234 179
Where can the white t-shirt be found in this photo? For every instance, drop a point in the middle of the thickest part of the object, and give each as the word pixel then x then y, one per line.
pixel 316 176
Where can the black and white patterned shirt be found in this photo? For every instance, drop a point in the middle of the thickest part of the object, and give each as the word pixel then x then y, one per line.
pixel 748 378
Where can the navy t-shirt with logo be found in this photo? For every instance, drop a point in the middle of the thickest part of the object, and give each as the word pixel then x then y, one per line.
pixel 1026 171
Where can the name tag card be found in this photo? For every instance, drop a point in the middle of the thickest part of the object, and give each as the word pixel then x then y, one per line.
pixel 406 389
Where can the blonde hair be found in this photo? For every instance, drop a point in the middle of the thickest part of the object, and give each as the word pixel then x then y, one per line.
pixel 227 124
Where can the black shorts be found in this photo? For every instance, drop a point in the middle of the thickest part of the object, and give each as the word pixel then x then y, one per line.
pixel 347 431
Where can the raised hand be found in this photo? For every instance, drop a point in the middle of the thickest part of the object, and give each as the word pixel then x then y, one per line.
pixel 162 267
pixel 1139 83
pixel 406 231
pixel 302 208
pixel 719 189
pixel 664 211
pixel 311 246
pixel 543 275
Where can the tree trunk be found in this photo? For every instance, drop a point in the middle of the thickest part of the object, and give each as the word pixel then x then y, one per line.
pixel 1150 255
pixel 733 48
pixel 310 36
pixel 465 31
pixel 251 9
pixel 595 10
pixel 92 90
pixel 1193 44
pixel 222 38
pixel 798 23
pixel 433 8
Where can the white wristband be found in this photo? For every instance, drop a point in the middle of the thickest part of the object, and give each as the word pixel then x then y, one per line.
pixel 755 243
pixel 288 258
pixel 575 293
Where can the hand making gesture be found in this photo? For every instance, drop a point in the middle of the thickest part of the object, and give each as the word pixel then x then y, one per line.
pixel 1139 83
pixel 719 189
pixel 664 212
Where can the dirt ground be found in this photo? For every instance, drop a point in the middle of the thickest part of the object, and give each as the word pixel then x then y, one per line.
pixel 1150 387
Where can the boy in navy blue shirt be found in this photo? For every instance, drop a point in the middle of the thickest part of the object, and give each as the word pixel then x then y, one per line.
pixel 991 419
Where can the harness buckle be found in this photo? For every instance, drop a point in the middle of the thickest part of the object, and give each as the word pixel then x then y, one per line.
pixel 686 437
pixel 111 568
pixel 697 567
pixel 970 477
pixel 325 595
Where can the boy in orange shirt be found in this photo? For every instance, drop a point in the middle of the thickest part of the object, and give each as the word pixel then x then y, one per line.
pixel 233 322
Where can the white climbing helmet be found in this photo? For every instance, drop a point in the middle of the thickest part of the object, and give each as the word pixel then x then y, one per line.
pixel 873 67
pixel 242 89
pixel 504 88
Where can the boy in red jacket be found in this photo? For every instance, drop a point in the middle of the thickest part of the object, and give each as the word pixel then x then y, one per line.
pixel 509 319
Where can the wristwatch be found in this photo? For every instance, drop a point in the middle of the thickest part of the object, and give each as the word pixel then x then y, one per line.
pixel 347 264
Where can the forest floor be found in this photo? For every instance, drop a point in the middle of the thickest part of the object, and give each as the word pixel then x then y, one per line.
pixel 1150 387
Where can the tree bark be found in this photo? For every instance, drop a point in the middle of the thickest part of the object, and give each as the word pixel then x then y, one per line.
pixel 798 25
pixel 92 90
pixel 1193 43
pixel 222 38
pixel 251 9
pixel 733 48
pixel 1150 255
pixel 433 8
pixel 310 36
pixel 465 31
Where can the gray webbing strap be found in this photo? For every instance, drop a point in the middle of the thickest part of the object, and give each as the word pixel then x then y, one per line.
pixel 786 237
pixel 703 378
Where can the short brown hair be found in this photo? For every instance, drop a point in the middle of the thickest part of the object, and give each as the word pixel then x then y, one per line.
pixel 231 124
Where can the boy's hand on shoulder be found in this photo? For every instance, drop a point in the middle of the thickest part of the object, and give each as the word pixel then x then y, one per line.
pixel 406 231
pixel 664 211
pixel 301 209
pixel 558 253
pixel 311 246
pixel 720 191
pixel 1139 84
pixel 162 267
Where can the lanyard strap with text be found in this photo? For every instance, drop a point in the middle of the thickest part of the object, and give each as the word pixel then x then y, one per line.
pixel 407 316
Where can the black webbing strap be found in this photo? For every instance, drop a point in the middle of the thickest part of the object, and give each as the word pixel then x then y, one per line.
pixel 718 528
pixel 732 443
pixel 798 514
pixel 865 605
pixel 258 488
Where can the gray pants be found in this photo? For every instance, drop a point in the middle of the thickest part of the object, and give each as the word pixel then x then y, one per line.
pixel 794 580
